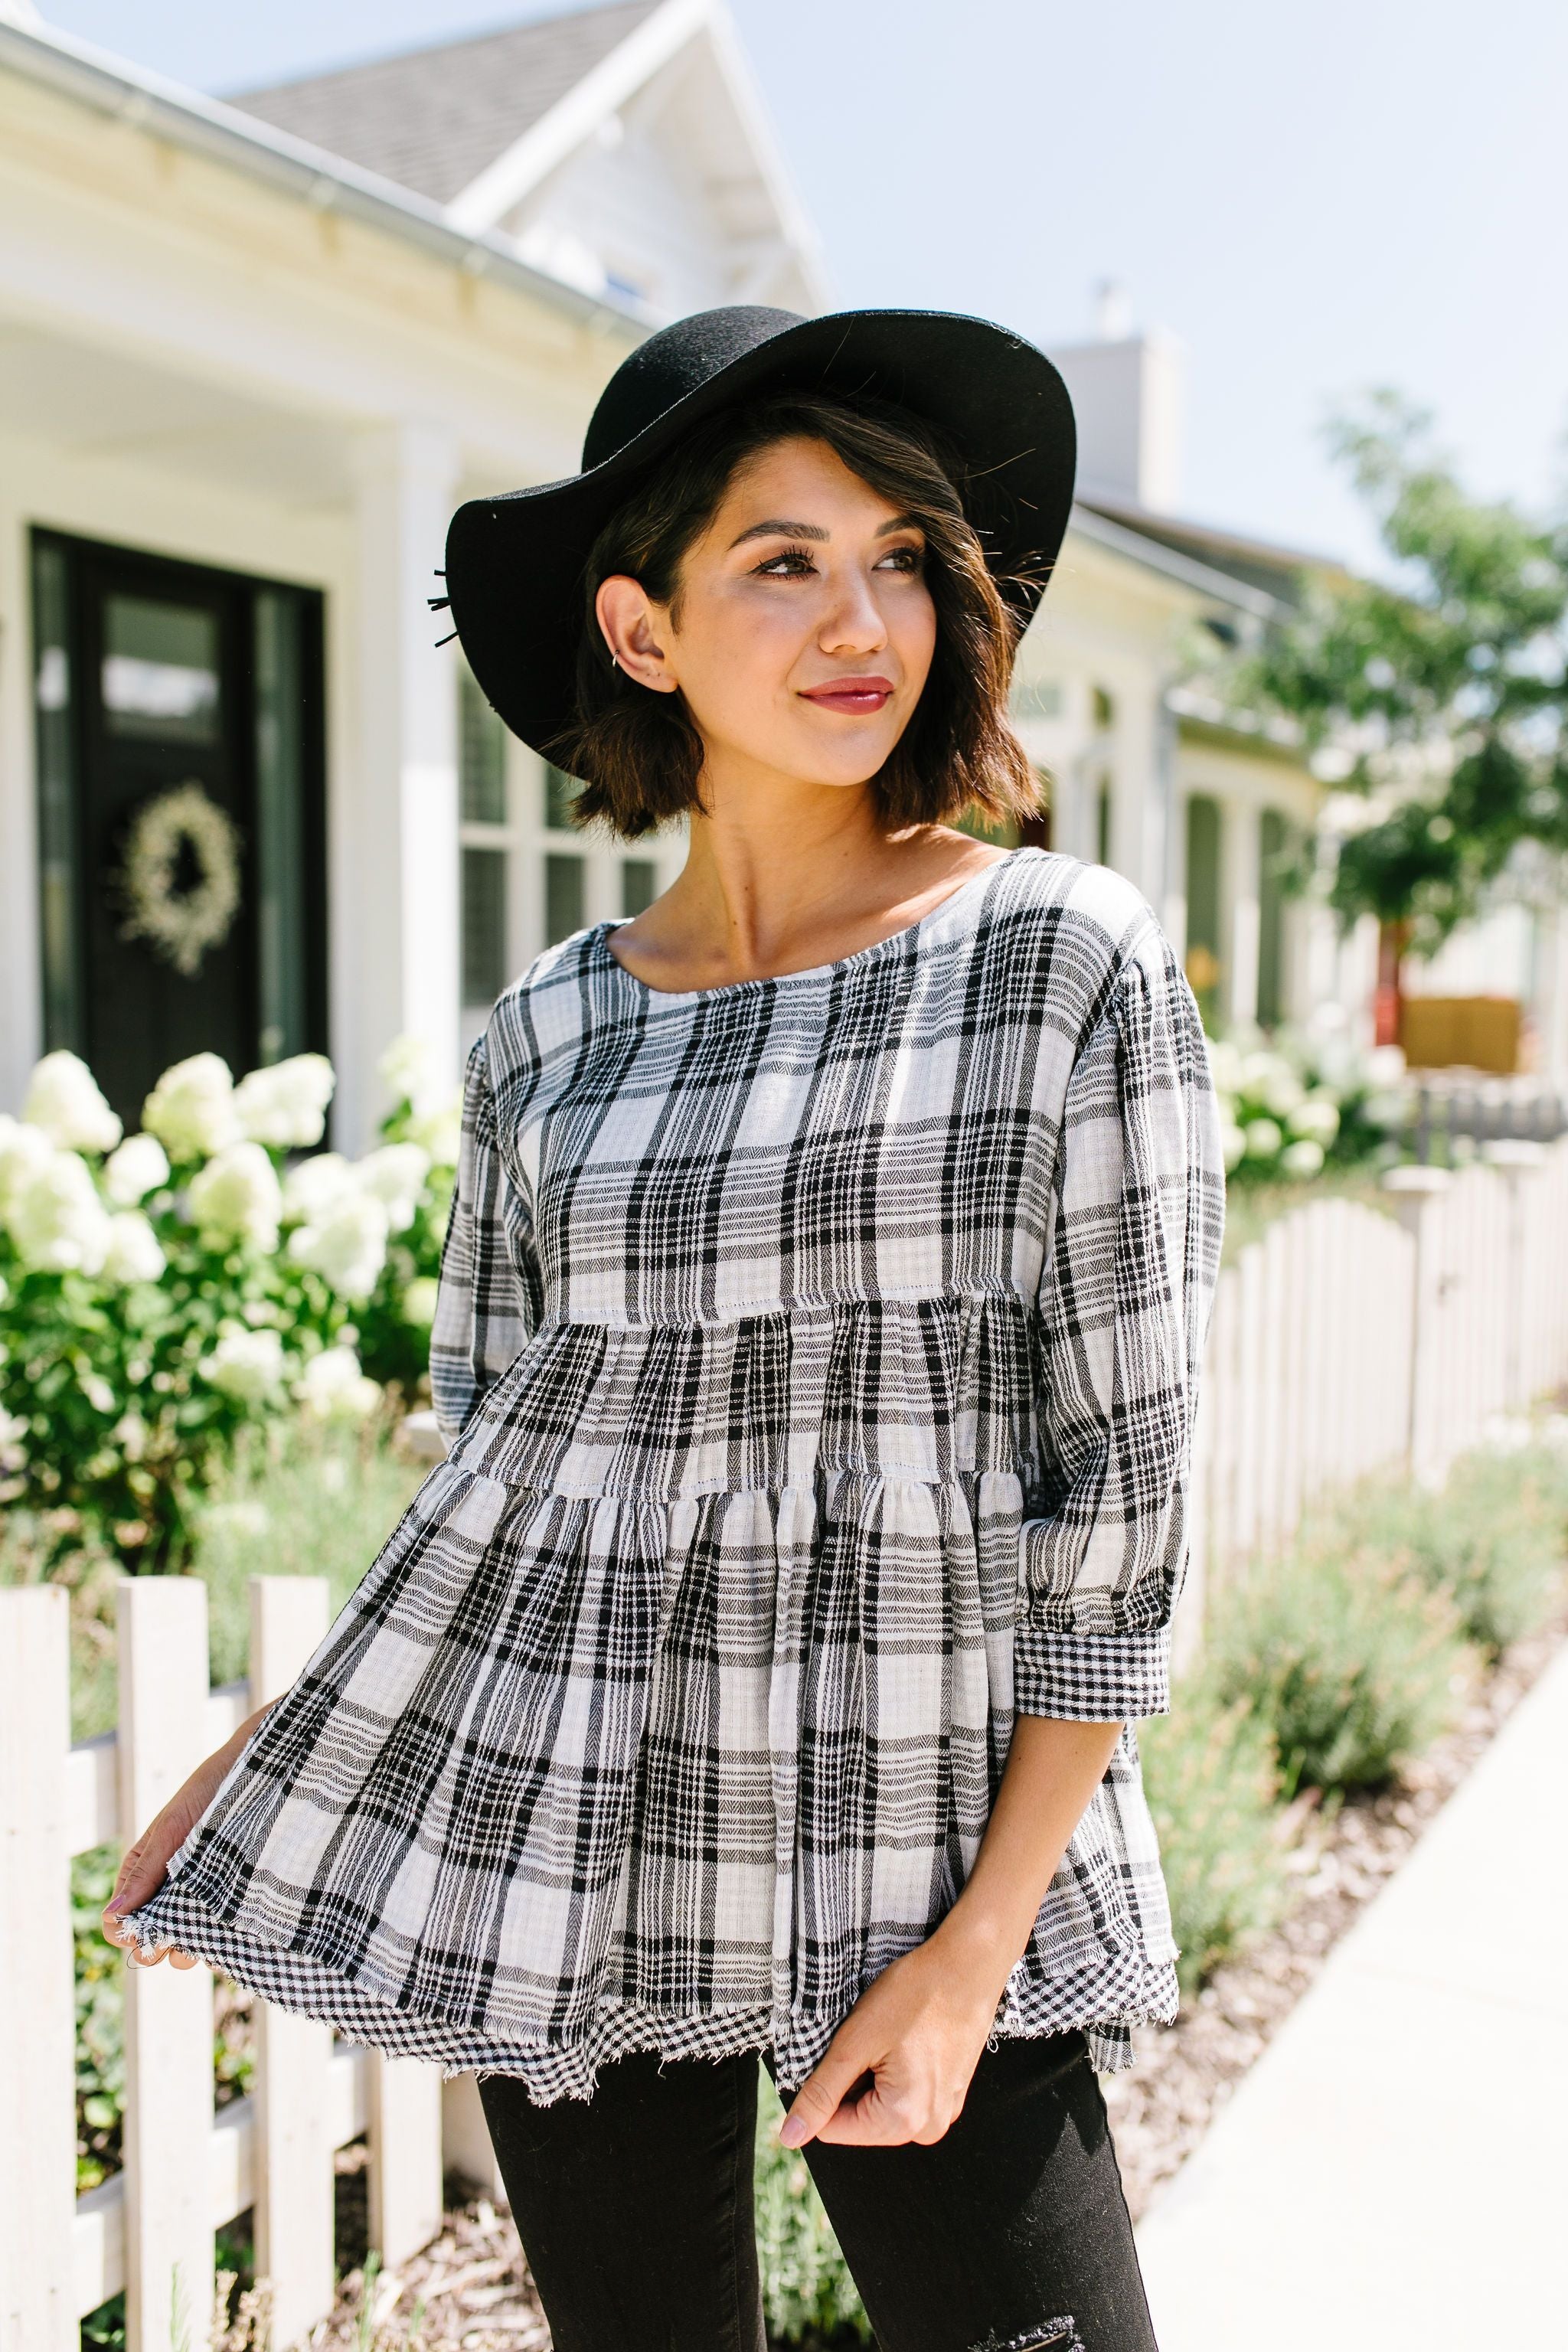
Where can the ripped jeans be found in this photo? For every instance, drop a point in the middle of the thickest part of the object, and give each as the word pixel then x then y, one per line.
pixel 635 2208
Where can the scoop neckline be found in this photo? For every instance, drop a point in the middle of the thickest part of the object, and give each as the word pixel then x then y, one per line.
pixel 808 971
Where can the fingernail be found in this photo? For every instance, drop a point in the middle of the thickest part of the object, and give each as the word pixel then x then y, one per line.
pixel 792 2132
pixel 116 1908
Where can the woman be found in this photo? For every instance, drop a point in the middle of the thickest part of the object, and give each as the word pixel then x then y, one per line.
pixel 818 1327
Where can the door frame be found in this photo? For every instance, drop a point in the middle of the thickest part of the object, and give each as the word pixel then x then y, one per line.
pixel 61 749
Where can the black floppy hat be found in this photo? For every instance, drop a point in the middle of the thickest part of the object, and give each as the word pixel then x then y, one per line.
pixel 515 563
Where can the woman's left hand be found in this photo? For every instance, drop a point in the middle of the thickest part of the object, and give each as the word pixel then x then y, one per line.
pixel 918 2031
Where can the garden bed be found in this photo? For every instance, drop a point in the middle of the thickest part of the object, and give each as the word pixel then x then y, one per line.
pixel 1161 2108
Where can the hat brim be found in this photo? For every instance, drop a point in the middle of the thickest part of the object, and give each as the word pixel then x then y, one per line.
pixel 515 561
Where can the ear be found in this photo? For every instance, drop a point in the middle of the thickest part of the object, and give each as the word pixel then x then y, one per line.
pixel 633 631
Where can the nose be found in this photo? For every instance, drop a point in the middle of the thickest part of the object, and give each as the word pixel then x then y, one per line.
pixel 853 622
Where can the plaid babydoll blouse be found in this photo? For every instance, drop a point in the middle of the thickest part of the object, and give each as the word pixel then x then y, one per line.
pixel 817 1356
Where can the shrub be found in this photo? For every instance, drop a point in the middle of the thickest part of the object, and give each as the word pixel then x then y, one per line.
pixel 807 2291
pixel 1351 1660
pixel 301 1497
pixel 1212 1775
pixel 1291 1108
pixel 1491 1538
pixel 159 1293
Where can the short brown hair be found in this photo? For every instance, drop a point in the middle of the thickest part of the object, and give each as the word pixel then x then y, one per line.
pixel 639 753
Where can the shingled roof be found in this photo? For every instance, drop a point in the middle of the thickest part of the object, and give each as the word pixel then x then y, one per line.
pixel 432 118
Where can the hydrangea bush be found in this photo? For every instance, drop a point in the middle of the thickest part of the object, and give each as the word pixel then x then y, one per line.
pixel 160 1291
pixel 1292 1109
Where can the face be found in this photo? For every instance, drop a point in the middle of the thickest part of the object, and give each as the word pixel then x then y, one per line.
pixel 803 629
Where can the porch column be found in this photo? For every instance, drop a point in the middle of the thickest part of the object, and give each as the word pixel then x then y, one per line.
pixel 1244 867
pixel 396 858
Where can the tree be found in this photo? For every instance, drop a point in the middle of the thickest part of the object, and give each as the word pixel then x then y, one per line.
pixel 1446 686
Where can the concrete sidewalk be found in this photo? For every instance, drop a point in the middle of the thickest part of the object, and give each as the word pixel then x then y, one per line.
pixel 1393 2175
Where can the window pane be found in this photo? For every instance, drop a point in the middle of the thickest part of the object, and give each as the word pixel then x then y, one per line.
pixel 560 791
pixel 1205 968
pixel 1274 848
pixel 563 898
pixel 57 845
pixel 481 756
pixel 640 884
pixel 281 822
pixel 159 669
pixel 484 925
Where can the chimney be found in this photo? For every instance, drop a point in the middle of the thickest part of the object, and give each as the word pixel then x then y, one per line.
pixel 1128 393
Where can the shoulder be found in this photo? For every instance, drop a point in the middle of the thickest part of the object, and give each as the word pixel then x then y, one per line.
pixel 1080 934
pixel 544 1010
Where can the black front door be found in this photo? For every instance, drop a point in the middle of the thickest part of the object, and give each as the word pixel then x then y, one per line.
pixel 179 769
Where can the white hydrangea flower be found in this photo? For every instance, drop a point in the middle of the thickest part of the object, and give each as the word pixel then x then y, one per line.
pixel 311 1189
pixel 1225 1066
pixel 286 1105
pixel 438 1130
pixel 63 1099
pixel 346 1244
pixel 395 1174
pixel 333 1387
pixel 1302 1159
pixel 24 1151
pixel 132 1255
pixel 191 1108
pixel 1264 1138
pixel 405 1070
pixel 247 1365
pixel 1233 1142
pixel 139 1167
pixel 1316 1119
pixel 236 1198
pixel 419 1301
pixel 1386 1065
pixel 98 1392
pixel 56 1219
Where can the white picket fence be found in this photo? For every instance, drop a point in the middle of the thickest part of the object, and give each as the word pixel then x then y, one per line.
pixel 1343 1341
pixel 1347 1341
pixel 149 2229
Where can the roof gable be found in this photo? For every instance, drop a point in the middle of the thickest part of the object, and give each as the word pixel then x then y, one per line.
pixel 434 119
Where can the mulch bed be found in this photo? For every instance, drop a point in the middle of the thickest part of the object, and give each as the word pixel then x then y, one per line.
pixel 474 2285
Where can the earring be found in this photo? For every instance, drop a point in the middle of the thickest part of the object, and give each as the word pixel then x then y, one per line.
pixel 614 663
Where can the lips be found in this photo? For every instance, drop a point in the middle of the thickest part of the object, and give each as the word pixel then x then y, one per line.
pixel 859 697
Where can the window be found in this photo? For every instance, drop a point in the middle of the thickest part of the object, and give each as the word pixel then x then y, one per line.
pixel 1104 806
pixel 488 848
pixel 1276 847
pixel 1206 968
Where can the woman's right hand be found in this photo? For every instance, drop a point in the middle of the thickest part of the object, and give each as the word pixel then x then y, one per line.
pixel 145 1865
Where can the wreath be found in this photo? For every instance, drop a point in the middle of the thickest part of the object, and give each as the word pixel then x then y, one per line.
pixel 180 828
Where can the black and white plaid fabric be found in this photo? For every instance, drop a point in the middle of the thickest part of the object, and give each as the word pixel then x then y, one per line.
pixel 817 1356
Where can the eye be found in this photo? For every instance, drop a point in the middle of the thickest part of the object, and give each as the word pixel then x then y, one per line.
pixel 904 559
pixel 797 558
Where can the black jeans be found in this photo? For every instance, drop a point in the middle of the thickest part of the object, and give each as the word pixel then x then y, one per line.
pixel 635 2210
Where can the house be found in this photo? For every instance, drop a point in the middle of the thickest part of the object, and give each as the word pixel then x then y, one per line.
pixel 257 350
pixel 255 353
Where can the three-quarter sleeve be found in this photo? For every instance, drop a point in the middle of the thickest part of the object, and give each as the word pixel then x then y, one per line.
pixel 484 1308
pixel 1125 1298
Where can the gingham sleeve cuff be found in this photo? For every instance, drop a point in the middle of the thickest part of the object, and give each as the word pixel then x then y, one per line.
pixel 1091 1677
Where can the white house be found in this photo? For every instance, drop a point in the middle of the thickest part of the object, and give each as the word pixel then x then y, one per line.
pixel 248 377
pixel 256 353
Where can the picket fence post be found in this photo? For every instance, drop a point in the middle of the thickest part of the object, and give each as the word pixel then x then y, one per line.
pixel 168 2011
pixel 1418 1194
pixel 293 2160
pixel 38 2007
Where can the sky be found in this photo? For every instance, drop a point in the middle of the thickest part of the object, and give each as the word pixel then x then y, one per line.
pixel 1315 201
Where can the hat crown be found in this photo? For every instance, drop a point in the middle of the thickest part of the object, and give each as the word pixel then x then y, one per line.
pixel 677 360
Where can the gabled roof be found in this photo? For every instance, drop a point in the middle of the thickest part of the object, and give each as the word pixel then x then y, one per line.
pixel 432 118
pixel 1276 571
